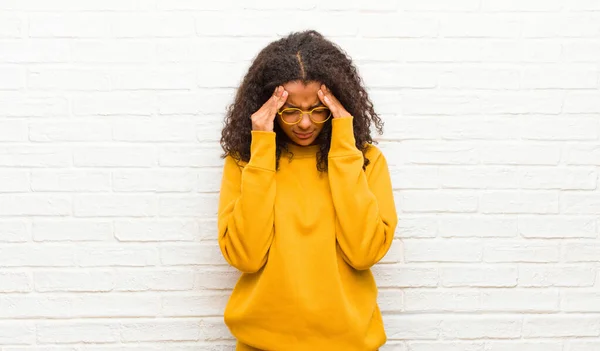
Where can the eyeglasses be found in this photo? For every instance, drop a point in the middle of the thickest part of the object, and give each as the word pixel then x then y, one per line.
pixel 294 115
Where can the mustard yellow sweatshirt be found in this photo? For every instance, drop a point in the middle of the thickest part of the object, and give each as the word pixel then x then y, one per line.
pixel 305 241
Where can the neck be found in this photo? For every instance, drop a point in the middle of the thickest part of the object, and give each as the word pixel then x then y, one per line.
pixel 303 151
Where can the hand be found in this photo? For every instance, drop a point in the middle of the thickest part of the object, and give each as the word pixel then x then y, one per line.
pixel 263 118
pixel 327 98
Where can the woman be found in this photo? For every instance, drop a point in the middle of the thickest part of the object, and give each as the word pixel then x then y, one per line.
pixel 306 204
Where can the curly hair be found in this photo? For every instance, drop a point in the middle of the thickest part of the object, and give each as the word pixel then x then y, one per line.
pixel 304 56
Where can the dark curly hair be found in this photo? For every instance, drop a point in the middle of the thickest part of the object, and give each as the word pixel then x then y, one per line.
pixel 301 56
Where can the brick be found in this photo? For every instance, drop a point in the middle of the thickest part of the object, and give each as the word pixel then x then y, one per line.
pixel 147 25
pixel 480 276
pixel 560 25
pixel 57 131
pixel 405 276
pixel 151 229
pixel 444 345
pixel 68 229
pixel 17 333
pixel 12 78
pixel 390 301
pixel 520 300
pixel 524 345
pixel 157 181
pixel 13 130
pixel 480 78
pixel 11 26
pixel 48 50
pixel 522 251
pixel 14 180
pixel 14 230
pixel 439 6
pixel 560 226
pixel 147 279
pixel 475 327
pixel 582 251
pixel 554 326
pixel 417 227
pixel 564 77
pixel 36 256
pixel 382 75
pixel 188 254
pixel 72 180
pixel 418 152
pixel 412 326
pixel 486 128
pixel 34 306
pixel 544 275
pixel 67 332
pixel 579 203
pixel 582 154
pixel 203 304
pixel 35 205
pixel 476 177
pixel 534 202
pixel 114 305
pixel 425 300
pixel 109 51
pixel 191 156
pixel 478 226
pixel 479 26
pixel 32 105
pixel 161 330
pixel 11 282
pixel 68 79
pixel 35 156
pixel 74 281
pixel 582 102
pixel 430 250
pixel 521 6
pixel 115 156
pixel 120 255
pixel 436 201
pixel 86 25
pixel 114 103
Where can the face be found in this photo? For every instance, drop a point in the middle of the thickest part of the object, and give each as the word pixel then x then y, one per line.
pixel 304 97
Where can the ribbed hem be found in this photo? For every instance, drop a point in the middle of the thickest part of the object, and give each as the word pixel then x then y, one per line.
pixel 262 150
pixel 343 142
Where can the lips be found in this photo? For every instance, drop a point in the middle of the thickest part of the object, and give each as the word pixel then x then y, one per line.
pixel 303 136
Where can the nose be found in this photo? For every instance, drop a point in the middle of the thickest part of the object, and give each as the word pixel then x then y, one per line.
pixel 305 122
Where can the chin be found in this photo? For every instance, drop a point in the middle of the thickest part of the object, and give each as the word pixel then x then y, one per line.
pixel 304 142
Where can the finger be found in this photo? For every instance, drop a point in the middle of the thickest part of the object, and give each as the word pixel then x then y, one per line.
pixel 326 97
pixel 282 98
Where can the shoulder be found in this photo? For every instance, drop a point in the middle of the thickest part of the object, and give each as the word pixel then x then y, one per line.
pixel 232 162
pixel 373 153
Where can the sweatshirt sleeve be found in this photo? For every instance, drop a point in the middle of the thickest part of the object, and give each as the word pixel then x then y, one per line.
pixel 246 202
pixel 363 200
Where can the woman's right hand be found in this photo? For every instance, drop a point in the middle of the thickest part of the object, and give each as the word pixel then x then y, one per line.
pixel 264 118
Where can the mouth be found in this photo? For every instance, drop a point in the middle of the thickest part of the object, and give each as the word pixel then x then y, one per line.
pixel 303 135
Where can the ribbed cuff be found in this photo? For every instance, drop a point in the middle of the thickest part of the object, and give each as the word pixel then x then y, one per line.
pixel 342 137
pixel 262 150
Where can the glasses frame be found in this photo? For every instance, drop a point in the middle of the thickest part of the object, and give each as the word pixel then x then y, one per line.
pixel 302 113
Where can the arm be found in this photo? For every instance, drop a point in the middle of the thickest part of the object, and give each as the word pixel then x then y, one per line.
pixel 363 201
pixel 246 202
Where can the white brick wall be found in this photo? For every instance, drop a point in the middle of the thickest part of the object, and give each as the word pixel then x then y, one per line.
pixel 110 113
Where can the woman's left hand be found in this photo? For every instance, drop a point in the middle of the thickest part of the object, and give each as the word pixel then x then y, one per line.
pixel 327 98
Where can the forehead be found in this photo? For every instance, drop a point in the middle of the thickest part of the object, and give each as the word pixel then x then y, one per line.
pixel 301 94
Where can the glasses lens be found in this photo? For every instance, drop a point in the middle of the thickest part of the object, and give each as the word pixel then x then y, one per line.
pixel 290 115
pixel 320 114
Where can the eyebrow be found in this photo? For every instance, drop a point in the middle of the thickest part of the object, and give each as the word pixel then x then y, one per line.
pixel 317 105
